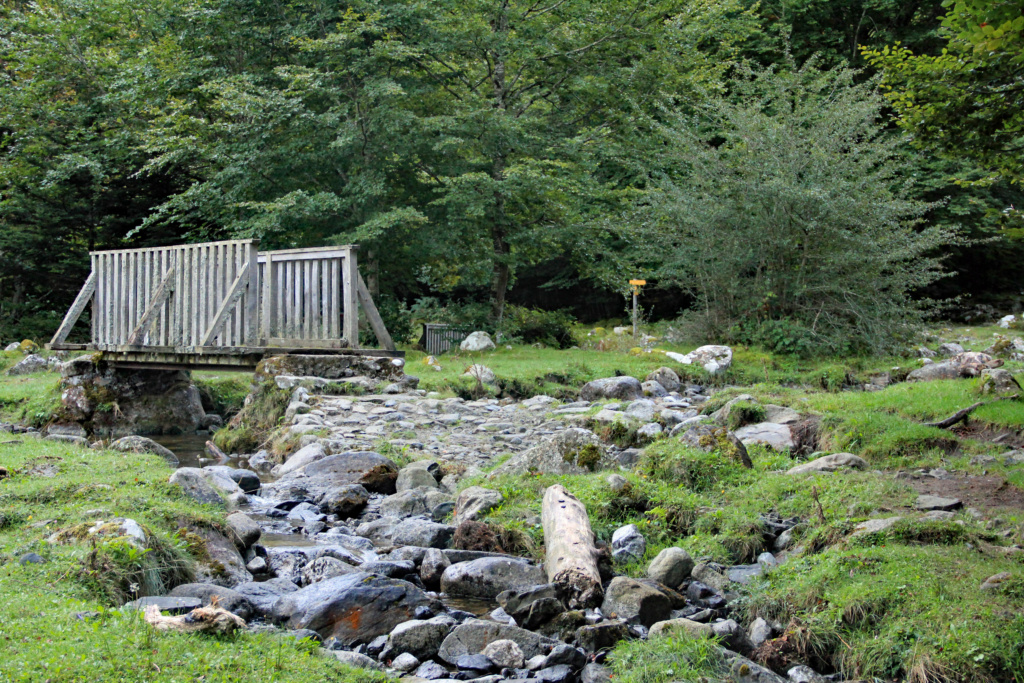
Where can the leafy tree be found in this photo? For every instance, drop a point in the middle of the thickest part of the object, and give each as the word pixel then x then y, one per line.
pixel 781 213
pixel 968 101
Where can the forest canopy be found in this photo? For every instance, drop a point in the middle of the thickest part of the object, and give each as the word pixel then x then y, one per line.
pixel 483 152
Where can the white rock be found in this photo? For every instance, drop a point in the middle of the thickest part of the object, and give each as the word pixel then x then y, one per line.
pixel 477 341
pixel 713 358
pixel 831 463
pixel 1006 320
pixel 481 373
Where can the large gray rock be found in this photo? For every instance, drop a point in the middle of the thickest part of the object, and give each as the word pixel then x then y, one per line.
pixel 414 477
pixel 263 595
pixel 323 568
pixel 356 660
pixel 345 501
pixel 473 502
pixel 830 463
pixel 487 577
pixel 621 388
pixel 777 436
pixel 222 564
pixel 473 635
pixel 420 638
pixel 245 529
pixel 33 363
pixel 628 544
pixel 302 457
pixel 149 401
pixel 476 342
pixel 370 470
pixel 226 598
pixel 194 484
pixel 505 654
pixel 142 444
pixel 355 608
pixel 432 568
pixel 964 364
pixel 666 377
pixel 569 451
pixel 635 602
pixel 422 533
pixel 405 504
pixel 671 567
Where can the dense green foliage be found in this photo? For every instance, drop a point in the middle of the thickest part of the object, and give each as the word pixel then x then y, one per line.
pixel 781 218
pixel 465 146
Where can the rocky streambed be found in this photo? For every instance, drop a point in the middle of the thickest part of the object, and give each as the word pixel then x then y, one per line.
pixel 339 543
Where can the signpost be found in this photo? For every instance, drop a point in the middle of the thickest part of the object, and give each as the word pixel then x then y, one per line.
pixel 636 284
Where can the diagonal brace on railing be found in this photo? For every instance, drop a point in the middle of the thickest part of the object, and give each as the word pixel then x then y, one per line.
pixel 238 288
pixel 75 312
pixel 149 317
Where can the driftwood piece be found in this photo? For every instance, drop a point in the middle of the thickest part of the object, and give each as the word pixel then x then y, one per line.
pixel 571 557
pixel 961 415
pixel 210 619
pixel 213 451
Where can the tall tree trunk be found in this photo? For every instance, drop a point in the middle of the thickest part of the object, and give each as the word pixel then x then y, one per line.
pixel 499 226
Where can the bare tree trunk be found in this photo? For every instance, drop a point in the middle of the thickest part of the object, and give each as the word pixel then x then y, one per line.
pixel 502 270
pixel 570 554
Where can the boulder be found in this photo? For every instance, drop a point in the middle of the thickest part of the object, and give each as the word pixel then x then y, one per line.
pixel 420 638
pixel 937 503
pixel 874 526
pixel 635 602
pixel 505 654
pixel 998 381
pixel 481 373
pixel 194 484
pixel 263 595
pixel 165 603
pixel 404 662
pixel 713 358
pixel 323 568
pixel 964 364
pixel 356 660
pixel 666 377
pixel 602 636
pixel 641 409
pixel 621 388
pixel 776 436
pixel 432 568
pixel 302 457
pixel 149 401
pixel 405 504
pixel 345 501
pixel 473 502
pixel 653 389
pixel 141 444
pixel 709 437
pixel 476 342
pixel 354 608
pixel 671 567
pixel 222 564
pixel 233 601
pixel 628 544
pixel 413 478
pixel 422 533
pixel 568 451
pixel 370 470
pixel 473 635
pixel 950 349
pixel 487 577
pixel 32 363
pixel 830 463
pixel 246 530
pixel 683 627
pixel 532 607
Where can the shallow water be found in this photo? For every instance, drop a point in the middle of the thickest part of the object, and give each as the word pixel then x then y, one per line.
pixel 191 450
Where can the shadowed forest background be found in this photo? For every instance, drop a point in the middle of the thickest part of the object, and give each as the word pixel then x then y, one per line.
pixel 803 174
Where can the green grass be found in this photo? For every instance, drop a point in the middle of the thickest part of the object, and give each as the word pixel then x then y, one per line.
pixel 223 394
pixel 29 399
pixel 42 637
pixel 667 659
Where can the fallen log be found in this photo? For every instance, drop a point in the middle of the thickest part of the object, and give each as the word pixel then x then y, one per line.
pixel 213 451
pixel 570 554
pixel 961 415
pixel 211 619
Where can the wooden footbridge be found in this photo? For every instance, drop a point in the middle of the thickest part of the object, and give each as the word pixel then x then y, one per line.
pixel 223 305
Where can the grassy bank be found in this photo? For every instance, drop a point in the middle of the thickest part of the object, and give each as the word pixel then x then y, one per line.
pixel 60 621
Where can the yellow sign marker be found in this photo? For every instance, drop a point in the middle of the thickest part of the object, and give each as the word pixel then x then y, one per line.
pixel 638 282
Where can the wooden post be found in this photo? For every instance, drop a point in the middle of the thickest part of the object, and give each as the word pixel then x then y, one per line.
pixel 349 296
pixel 634 315
pixel 250 335
pixel 571 558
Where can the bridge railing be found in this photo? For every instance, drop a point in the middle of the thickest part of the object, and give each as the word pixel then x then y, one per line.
pixel 224 296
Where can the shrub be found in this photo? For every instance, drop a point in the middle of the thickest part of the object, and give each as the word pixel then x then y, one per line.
pixel 782 211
